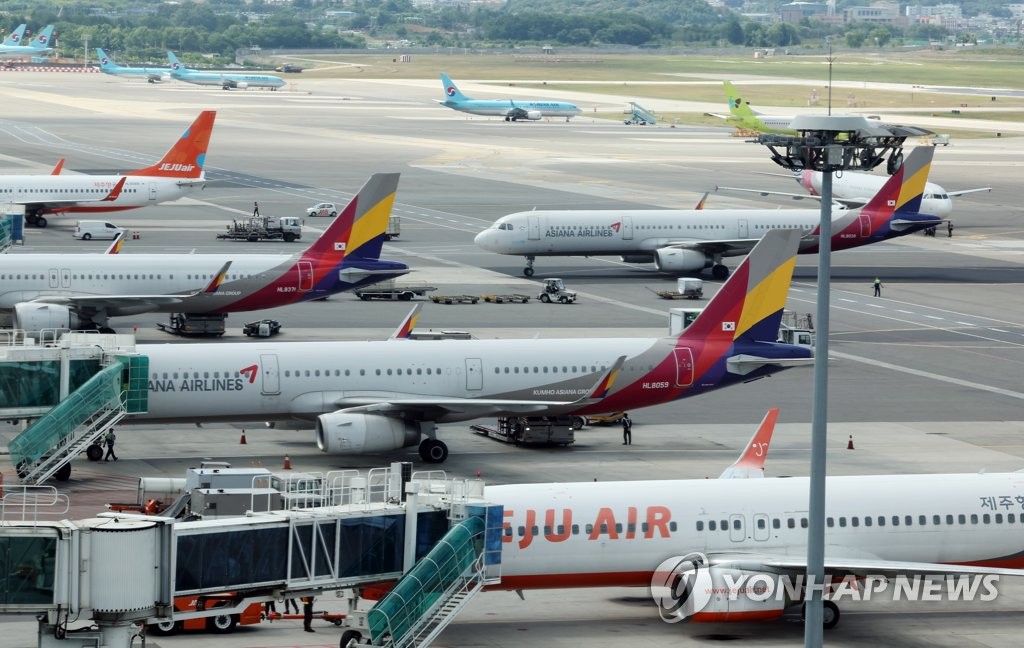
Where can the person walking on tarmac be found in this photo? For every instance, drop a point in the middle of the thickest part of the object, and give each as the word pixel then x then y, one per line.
pixel 255 209
pixel 878 287
pixel 627 429
pixel 109 439
pixel 307 614
pixel 949 229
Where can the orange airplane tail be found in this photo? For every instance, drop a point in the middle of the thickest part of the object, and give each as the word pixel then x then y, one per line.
pixel 187 157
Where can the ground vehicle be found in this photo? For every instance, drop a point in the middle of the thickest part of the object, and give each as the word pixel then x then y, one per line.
pixel 195 324
pixel 533 430
pixel 266 228
pixel 554 290
pixel 606 419
pixel 262 328
pixel 289 68
pixel 220 624
pixel 329 209
pixel 390 290
pixel 92 229
pixel 685 288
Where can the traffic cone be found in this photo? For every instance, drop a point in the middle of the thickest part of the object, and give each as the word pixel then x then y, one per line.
pixel 242 441
pixel 287 463
pixel 849 444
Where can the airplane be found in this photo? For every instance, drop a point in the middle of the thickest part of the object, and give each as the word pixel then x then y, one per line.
pixel 693 541
pixel 153 75
pixel 40 43
pixel 14 38
pixel 510 109
pixel 380 396
pixel 681 241
pixel 70 291
pixel 852 190
pixel 227 81
pixel 178 172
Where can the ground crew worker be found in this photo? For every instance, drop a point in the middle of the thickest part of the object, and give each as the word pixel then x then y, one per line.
pixel 307 613
pixel 878 287
pixel 255 209
pixel 109 439
pixel 949 229
pixel 627 430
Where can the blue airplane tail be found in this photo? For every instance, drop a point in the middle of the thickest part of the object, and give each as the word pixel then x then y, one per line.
pixel 177 67
pixel 41 41
pixel 14 38
pixel 105 62
pixel 451 91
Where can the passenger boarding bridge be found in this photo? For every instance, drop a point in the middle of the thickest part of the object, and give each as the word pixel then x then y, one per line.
pixel 433 538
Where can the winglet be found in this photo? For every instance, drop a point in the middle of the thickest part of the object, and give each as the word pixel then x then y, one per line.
pixel 604 385
pixel 188 155
pixel 57 169
pixel 218 279
pixel 751 462
pixel 700 203
pixel 116 191
pixel 404 330
pixel 116 244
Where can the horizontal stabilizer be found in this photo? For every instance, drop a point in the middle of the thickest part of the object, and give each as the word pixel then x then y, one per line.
pixel 743 364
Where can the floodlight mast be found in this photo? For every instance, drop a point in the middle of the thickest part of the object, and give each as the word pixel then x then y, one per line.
pixel 826 144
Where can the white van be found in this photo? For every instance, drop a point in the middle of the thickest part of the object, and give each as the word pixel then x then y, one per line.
pixel 99 230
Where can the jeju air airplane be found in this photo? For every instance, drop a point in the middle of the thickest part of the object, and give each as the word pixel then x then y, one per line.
pixel 702 545
pixel 177 173
pixel 72 291
pixel 370 397
pixel 681 241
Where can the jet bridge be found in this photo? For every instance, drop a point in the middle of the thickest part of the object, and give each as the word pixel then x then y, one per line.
pixel 74 388
pixel 391 522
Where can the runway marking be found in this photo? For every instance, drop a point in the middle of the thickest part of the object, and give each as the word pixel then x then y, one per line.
pixel 935 317
pixel 998 330
pixel 927 374
pixel 966 324
pixel 900 310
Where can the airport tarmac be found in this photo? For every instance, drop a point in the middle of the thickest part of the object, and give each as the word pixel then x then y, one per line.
pixel 926 379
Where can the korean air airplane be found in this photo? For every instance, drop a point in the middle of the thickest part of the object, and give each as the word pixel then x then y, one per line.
pixel 510 109
pixel 744 534
pixel 40 43
pixel 153 75
pixel 83 291
pixel 227 81
pixel 371 397
pixel 14 38
pixel 682 241
pixel 177 173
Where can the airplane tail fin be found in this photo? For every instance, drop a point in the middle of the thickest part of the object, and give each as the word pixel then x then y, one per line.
pixel 14 38
pixel 748 308
pixel 896 207
pixel 42 39
pixel 105 62
pixel 751 462
pixel 404 330
pixel 358 230
pixel 451 91
pixel 188 155
pixel 176 65
pixel 737 107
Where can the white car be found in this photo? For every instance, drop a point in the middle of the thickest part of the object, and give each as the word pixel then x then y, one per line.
pixel 323 209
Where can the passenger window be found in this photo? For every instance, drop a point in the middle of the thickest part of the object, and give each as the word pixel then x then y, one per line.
pixel 700 525
pixel 711 525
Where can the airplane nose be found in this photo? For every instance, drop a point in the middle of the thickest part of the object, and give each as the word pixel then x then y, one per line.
pixel 485 240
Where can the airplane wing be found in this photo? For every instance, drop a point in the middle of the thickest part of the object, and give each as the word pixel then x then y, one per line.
pixel 848 203
pixel 432 408
pixel 838 567
pixel 725 247
pixel 55 200
pixel 964 192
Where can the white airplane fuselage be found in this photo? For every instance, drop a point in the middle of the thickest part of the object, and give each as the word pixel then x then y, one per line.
pixel 502 107
pixel 138 191
pixel 862 186
pixel 228 79
pixel 617 533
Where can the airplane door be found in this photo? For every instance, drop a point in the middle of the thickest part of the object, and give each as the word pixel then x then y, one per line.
pixel 761 528
pixel 627 228
pixel 54 278
pixel 474 374
pixel 152 191
pixel 684 366
pixel 65 278
pixel 271 383
pixel 736 528
pixel 534 223
pixel 741 228
pixel 865 225
pixel 305 276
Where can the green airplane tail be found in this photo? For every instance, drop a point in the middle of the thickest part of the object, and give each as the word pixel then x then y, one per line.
pixel 737 107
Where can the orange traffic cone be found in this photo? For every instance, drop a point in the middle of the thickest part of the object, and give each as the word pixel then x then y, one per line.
pixel 849 444
pixel 287 463
pixel 242 441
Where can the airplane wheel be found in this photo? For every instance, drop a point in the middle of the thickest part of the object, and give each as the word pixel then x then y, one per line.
pixel 578 422
pixel 528 272
pixel 720 272
pixel 94 452
pixel 433 451
pixel 63 473
pixel 830 615
pixel 350 638
pixel 40 221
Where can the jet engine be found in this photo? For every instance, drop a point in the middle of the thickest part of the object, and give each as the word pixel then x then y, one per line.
pixel 241 85
pixel 637 258
pixel 533 115
pixel 33 317
pixel 688 587
pixel 340 433
pixel 671 259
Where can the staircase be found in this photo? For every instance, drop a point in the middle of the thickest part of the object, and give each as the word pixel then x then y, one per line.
pixel 427 598
pixel 70 427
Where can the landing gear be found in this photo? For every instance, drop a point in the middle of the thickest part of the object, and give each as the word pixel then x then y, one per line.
pixel 528 270
pixel 719 271
pixel 829 614
pixel 34 219
pixel 433 451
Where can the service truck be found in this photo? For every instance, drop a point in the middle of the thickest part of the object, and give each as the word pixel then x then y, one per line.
pixel 265 228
